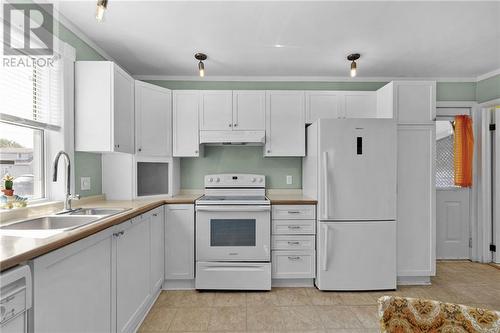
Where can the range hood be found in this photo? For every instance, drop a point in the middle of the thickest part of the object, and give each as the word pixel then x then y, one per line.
pixel 251 138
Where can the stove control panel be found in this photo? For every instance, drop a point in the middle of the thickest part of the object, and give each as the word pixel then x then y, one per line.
pixel 235 180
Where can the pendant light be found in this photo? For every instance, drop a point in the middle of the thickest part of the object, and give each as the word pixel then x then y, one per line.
pixel 352 58
pixel 201 66
pixel 101 7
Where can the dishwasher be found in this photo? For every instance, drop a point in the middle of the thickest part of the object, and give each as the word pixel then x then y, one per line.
pixel 15 299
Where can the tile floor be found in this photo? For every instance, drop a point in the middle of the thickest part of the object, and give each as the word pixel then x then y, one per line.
pixel 310 310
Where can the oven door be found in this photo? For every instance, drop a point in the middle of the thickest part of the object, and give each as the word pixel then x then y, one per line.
pixel 233 233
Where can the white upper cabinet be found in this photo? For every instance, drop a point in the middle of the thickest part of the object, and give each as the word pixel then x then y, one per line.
pixel 249 110
pixel 359 104
pixel 153 120
pixel 104 107
pixel 285 123
pixel 186 141
pixel 322 104
pixel 216 110
pixel 411 102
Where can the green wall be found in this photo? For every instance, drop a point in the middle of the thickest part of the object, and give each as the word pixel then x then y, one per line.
pixel 86 164
pixel 488 89
pixel 456 91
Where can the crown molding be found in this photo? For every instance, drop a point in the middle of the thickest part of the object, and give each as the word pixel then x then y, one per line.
pixel 488 75
pixel 296 78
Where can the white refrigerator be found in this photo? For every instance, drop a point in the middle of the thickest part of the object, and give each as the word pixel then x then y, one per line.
pixel 350 168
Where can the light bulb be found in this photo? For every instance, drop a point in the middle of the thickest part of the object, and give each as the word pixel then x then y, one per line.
pixel 353 69
pixel 201 67
pixel 101 8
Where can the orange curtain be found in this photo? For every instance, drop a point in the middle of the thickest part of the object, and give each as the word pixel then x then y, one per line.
pixel 463 149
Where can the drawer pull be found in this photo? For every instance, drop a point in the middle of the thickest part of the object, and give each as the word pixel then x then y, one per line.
pixel 294 258
pixel 294 227
pixel 293 243
pixel 293 212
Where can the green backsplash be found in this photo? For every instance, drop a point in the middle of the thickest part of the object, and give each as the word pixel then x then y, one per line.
pixel 240 159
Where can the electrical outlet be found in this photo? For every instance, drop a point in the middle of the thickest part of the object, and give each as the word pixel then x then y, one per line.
pixel 85 183
pixel 289 180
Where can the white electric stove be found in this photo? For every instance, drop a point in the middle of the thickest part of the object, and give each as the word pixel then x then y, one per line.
pixel 233 233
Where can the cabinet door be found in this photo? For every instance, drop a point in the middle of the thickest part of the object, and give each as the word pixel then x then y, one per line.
pixel 153 120
pixel 249 110
pixel 322 104
pixel 360 104
pixel 415 101
pixel 216 112
pixel 73 287
pixel 179 242
pixel 186 141
pixel 123 111
pixel 416 200
pixel 157 244
pixel 285 123
pixel 132 272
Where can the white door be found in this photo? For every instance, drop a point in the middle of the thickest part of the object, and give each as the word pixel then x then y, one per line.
pixel 153 120
pixel 356 255
pixel 123 112
pixel 157 244
pixel 179 242
pixel 360 104
pixel 186 140
pixel 216 112
pixel 132 272
pixel 285 124
pixel 249 110
pixel 358 169
pixel 322 104
pixel 452 223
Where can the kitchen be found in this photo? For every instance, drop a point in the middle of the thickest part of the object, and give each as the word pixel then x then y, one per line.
pixel 218 178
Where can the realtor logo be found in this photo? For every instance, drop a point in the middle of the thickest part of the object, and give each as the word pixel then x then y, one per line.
pixel 28 29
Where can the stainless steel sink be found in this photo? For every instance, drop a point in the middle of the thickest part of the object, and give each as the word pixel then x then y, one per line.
pixel 53 222
pixel 98 211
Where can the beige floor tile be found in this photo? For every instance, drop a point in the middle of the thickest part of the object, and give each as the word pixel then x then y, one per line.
pixel 358 298
pixel 158 319
pixel 230 299
pixel 367 315
pixel 262 298
pixel 318 297
pixel 333 316
pixel 353 330
pixel 300 318
pixel 228 318
pixel 264 318
pixel 191 319
pixel 186 298
pixel 292 296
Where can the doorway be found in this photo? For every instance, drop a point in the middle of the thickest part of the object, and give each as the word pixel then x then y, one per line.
pixel 453 203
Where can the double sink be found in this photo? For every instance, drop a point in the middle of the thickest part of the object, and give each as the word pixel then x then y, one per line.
pixel 60 222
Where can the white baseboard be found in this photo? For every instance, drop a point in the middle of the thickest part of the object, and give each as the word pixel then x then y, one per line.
pixel 153 301
pixel 414 280
pixel 178 285
pixel 292 283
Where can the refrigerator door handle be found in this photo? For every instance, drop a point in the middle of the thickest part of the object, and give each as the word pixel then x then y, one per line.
pixel 325 247
pixel 325 184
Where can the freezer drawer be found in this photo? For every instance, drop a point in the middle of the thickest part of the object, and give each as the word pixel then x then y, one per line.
pixel 301 212
pixel 293 264
pixel 233 275
pixel 291 227
pixel 356 255
pixel 299 242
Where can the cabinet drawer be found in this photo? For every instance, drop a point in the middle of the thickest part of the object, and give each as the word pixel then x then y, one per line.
pixel 294 227
pixel 293 243
pixel 293 264
pixel 294 212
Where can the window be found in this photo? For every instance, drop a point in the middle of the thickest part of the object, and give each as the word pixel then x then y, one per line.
pixel 445 169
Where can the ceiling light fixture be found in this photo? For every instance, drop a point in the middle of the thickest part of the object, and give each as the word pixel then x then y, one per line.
pixel 201 67
pixel 352 58
pixel 101 7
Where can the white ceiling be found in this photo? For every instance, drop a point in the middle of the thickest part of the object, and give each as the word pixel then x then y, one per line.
pixel 396 39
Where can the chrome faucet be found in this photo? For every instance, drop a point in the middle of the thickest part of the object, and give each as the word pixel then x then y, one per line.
pixel 69 196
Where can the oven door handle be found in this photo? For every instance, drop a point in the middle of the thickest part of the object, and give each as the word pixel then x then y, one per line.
pixel 234 209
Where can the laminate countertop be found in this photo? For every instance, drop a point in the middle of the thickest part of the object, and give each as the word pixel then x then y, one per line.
pixel 16 250
pixel 290 199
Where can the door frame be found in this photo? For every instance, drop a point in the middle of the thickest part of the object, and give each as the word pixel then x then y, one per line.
pixel 449 109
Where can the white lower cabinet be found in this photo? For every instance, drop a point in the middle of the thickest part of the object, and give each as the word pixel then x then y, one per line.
pixel 179 242
pixel 102 283
pixel 72 289
pixel 293 264
pixel 132 272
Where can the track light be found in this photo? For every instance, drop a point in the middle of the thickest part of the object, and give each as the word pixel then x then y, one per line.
pixel 101 7
pixel 352 58
pixel 201 66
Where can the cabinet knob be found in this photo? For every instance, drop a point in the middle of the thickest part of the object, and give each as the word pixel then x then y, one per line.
pixel 230 125
pixel 117 146
pixel 235 125
pixel 268 150
pixel 196 152
pixel 155 214
pixel 140 149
